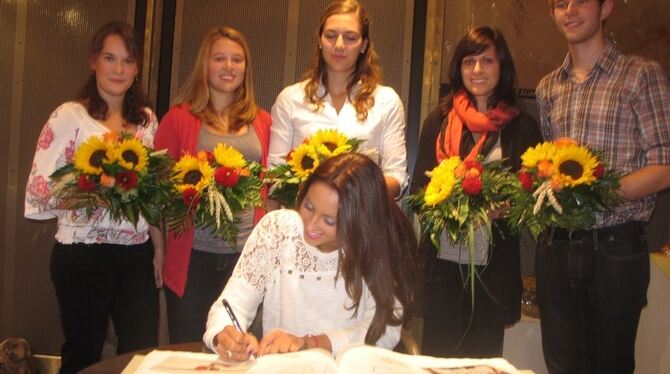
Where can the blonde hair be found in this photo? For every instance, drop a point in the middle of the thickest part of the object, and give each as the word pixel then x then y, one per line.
pixel 195 90
pixel 367 69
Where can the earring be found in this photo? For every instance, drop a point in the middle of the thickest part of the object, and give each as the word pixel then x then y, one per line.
pixel 319 47
pixel 362 50
pixel 137 78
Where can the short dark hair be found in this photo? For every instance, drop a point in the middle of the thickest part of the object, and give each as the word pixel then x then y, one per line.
pixel 473 43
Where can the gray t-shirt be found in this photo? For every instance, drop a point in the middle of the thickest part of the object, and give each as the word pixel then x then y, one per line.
pixel 250 147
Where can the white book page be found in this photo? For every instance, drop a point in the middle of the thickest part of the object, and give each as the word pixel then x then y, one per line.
pixel 368 359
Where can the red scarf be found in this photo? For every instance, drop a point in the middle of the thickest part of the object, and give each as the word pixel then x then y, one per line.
pixel 463 112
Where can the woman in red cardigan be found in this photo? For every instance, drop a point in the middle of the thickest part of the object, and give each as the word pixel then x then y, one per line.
pixel 215 105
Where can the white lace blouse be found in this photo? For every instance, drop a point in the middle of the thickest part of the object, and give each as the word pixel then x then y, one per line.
pixel 298 287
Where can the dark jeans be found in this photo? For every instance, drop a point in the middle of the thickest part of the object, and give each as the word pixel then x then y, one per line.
pixel 94 282
pixel 208 274
pixel 591 287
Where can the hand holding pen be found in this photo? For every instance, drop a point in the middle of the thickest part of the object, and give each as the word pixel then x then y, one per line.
pixel 233 343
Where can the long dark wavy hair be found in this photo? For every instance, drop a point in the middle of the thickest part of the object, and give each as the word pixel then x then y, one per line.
pixel 378 242
pixel 134 102
pixel 474 43
pixel 367 69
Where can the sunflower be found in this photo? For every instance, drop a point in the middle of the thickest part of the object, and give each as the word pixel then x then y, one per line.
pixel 442 182
pixel 228 156
pixel 304 160
pixel 91 155
pixel 132 155
pixel 575 165
pixel 534 155
pixel 191 173
pixel 329 143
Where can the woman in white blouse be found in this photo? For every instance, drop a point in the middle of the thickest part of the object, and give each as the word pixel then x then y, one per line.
pixel 340 270
pixel 342 91
pixel 99 267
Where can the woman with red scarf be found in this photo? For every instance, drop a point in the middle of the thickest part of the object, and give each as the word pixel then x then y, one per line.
pixel 478 117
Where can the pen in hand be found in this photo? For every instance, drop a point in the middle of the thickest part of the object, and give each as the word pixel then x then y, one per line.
pixel 233 318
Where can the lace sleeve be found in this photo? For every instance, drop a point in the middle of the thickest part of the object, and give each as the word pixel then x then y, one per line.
pixel 274 234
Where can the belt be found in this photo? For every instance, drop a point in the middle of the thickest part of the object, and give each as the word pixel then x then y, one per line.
pixel 604 233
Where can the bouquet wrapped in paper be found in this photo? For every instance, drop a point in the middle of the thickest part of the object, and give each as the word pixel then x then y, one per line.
pixel 562 184
pixel 210 188
pixel 116 172
pixel 300 163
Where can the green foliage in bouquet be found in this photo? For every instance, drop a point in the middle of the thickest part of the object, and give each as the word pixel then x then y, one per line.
pixel 210 189
pixel 118 173
pixel 564 185
pixel 285 179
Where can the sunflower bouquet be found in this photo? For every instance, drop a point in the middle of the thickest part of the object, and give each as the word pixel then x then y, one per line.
pixel 458 200
pixel 209 188
pixel 562 184
pixel 285 179
pixel 459 197
pixel 116 172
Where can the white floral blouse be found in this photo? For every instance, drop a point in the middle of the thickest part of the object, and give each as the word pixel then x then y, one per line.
pixel 69 126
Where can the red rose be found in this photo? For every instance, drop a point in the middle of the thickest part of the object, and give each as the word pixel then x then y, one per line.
pixel 86 183
pixel 599 171
pixel 472 186
pixel 190 197
pixel 473 164
pixel 127 180
pixel 526 180
pixel 226 177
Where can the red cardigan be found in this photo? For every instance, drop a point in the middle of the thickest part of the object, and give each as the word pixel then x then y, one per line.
pixel 178 132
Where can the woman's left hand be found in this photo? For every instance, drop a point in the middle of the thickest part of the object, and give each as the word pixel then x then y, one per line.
pixel 279 341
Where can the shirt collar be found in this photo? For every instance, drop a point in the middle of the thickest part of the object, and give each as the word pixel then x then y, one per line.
pixel 605 62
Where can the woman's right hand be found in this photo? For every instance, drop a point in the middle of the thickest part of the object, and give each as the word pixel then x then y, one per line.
pixel 232 345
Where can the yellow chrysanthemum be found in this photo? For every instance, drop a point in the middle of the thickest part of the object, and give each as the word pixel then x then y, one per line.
pixel 442 181
pixel 91 155
pixel 574 165
pixel 329 143
pixel 192 173
pixel 534 155
pixel 304 160
pixel 132 155
pixel 228 156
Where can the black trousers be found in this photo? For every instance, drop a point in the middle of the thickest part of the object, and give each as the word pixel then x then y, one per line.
pixel 208 274
pixel 94 282
pixel 591 287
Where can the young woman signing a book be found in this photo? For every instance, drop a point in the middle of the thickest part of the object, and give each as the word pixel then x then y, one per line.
pixel 340 270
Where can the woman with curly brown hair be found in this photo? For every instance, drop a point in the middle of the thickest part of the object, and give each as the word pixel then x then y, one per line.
pixel 342 90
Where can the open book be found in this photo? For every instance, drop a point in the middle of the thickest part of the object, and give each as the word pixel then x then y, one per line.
pixel 358 359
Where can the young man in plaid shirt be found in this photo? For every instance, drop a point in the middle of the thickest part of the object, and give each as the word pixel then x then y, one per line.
pixel 592 283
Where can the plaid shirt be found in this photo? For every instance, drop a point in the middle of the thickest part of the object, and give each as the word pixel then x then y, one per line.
pixel 622 109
